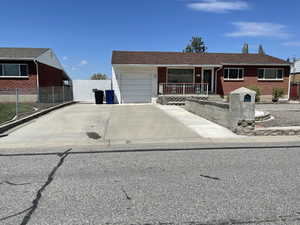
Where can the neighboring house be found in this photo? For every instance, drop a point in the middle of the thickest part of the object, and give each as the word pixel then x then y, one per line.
pixel 139 77
pixel 295 71
pixel 30 70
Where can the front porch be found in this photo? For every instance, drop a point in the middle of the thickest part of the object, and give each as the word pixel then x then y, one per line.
pixel 187 80
pixel 175 85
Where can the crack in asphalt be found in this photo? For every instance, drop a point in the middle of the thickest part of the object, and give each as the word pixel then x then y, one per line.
pixel 50 178
pixel 210 177
pixel 127 196
pixel 16 214
pixel 14 184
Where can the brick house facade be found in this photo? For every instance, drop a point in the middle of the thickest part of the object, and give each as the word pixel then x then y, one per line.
pixel 184 73
pixel 29 69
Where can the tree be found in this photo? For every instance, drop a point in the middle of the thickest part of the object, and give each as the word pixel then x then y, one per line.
pixel 245 49
pixel 99 76
pixel 261 50
pixel 196 45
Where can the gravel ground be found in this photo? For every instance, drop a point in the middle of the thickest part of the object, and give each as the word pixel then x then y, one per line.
pixel 197 187
pixel 285 115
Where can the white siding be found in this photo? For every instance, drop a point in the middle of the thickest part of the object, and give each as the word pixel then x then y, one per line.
pixel 83 89
pixel 297 66
pixel 49 58
pixel 134 84
pixel 115 86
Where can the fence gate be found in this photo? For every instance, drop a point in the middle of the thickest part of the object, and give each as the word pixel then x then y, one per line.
pixel 83 89
pixel 295 91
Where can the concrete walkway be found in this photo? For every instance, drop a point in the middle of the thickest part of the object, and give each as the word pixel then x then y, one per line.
pixel 201 126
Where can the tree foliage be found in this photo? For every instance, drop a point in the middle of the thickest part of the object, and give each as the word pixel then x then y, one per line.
pixel 261 50
pixel 245 49
pixel 196 45
pixel 99 76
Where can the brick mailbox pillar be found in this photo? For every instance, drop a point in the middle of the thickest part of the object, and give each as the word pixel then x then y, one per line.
pixel 242 110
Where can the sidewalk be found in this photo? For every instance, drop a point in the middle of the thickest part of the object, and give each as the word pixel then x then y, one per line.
pixel 201 126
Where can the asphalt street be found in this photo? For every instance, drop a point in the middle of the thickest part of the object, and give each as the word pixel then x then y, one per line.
pixel 240 186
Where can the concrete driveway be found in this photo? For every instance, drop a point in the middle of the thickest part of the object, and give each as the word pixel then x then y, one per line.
pixel 87 124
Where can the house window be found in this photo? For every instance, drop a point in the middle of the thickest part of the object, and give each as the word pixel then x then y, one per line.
pixel 180 75
pixel 13 70
pixel 270 74
pixel 233 74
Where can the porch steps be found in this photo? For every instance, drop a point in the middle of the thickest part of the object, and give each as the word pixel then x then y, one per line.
pixel 175 103
pixel 180 99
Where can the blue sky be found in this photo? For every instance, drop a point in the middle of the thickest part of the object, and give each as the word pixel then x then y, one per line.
pixel 84 33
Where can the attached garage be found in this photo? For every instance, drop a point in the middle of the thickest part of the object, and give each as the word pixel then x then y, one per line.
pixel 134 84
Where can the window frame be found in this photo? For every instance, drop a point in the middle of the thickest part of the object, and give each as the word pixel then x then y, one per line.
pixel 171 68
pixel 3 76
pixel 234 68
pixel 270 79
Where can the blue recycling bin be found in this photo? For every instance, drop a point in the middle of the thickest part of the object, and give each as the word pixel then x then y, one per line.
pixel 110 96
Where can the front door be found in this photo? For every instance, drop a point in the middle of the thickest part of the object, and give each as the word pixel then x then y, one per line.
pixel 208 79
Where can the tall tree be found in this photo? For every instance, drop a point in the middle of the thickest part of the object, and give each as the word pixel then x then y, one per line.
pixel 245 49
pixel 261 50
pixel 196 45
pixel 99 76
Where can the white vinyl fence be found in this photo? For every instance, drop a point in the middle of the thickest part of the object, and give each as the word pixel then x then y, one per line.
pixel 83 89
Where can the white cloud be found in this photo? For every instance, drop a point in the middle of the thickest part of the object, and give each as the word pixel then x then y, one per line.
pixel 83 62
pixel 253 29
pixel 65 58
pixel 74 68
pixel 218 6
pixel 292 43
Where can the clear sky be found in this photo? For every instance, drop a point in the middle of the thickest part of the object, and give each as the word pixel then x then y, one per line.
pixel 84 33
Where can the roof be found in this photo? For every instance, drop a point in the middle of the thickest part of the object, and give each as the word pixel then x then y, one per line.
pixel 243 90
pixel 180 58
pixel 21 53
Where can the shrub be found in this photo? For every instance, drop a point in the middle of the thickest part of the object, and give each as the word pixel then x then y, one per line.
pixel 277 93
pixel 257 90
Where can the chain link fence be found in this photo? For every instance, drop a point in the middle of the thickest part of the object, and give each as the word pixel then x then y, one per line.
pixel 19 102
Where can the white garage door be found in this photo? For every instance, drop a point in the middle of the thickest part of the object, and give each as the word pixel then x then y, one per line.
pixel 136 87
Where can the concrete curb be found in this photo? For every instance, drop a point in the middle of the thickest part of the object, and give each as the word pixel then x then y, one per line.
pixel 13 124
pixel 148 149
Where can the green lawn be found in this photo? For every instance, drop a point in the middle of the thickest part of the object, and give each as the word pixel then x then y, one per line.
pixel 8 110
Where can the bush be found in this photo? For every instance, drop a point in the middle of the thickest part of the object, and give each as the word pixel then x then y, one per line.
pixel 257 90
pixel 277 93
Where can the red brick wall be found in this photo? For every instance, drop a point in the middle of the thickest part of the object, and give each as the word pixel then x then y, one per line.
pixel 162 74
pixel 29 82
pixel 49 76
pixel 250 78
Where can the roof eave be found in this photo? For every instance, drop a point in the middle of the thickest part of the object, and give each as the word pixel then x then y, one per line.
pixel 17 59
pixel 166 65
pixel 256 64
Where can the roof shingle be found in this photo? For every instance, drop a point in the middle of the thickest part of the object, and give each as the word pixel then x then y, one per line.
pixel 21 53
pixel 180 58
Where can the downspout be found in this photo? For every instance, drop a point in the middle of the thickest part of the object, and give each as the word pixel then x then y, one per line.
pixel 37 79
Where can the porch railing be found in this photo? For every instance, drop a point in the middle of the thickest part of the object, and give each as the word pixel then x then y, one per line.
pixel 183 89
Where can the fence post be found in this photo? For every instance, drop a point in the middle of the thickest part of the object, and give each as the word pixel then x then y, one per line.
pixel 53 94
pixel 63 92
pixel 17 102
